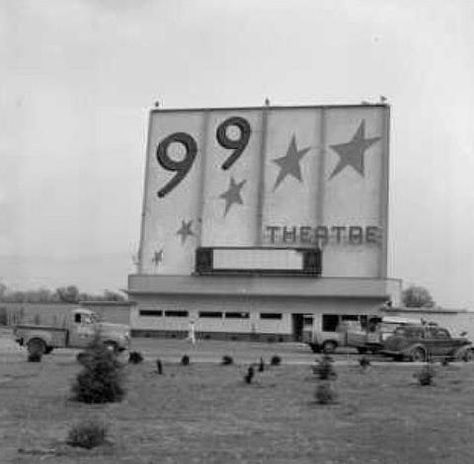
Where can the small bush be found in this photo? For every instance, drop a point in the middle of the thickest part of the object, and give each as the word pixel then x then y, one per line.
pixel 250 375
pixel 185 360
pixel 159 366
pixel 227 360
pixel 35 357
pixel 87 434
pixel 101 379
pixel 324 369
pixel 364 362
pixel 135 357
pixel 325 393
pixel 275 360
pixel 426 375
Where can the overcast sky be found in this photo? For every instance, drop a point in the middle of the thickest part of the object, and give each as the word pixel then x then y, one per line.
pixel 79 76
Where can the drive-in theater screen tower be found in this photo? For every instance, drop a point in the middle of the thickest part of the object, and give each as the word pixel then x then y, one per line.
pixel 256 221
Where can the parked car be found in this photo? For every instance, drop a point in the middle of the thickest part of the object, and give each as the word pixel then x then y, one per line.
pixel 80 327
pixel 425 342
pixel 362 332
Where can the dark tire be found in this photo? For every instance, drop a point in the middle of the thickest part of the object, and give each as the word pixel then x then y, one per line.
pixel 329 347
pixel 418 355
pixel 467 356
pixel 36 346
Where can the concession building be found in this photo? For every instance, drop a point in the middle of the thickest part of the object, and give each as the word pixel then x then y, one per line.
pixel 263 223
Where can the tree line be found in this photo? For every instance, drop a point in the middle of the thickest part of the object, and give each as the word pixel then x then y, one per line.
pixel 67 294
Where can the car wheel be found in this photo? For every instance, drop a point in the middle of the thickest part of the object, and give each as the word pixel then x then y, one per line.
pixel 329 347
pixel 467 356
pixel 36 346
pixel 418 355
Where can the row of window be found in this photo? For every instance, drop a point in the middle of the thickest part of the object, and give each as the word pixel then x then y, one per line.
pixel 206 314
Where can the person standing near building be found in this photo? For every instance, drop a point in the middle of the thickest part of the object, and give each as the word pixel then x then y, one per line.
pixel 191 333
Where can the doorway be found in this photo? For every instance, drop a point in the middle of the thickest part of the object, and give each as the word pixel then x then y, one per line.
pixel 298 324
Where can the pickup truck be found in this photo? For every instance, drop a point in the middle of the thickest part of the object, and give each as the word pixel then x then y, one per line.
pixel 366 333
pixel 81 326
pixel 426 342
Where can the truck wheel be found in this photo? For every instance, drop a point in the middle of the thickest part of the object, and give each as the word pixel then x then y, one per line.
pixel 418 355
pixel 36 346
pixel 329 347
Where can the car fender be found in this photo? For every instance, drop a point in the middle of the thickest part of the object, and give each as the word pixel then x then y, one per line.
pixel 408 350
pixel 461 352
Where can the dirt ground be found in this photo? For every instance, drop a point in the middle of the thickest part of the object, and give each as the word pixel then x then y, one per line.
pixel 205 413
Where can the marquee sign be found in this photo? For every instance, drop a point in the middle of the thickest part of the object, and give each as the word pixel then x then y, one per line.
pixel 267 177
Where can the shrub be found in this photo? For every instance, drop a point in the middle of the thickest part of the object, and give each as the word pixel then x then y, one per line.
pixel 185 360
pixel 426 375
pixel 250 375
pixel 87 434
pixel 325 393
pixel 364 362
pixel 227 360
pixel 324 369
pixel 275 360
pixel 159 366
pixel 101 379
pixel 135 357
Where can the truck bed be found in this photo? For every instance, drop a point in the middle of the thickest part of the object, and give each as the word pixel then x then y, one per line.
pixel 57 336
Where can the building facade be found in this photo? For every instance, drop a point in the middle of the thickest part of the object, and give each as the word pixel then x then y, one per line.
pixel 258 221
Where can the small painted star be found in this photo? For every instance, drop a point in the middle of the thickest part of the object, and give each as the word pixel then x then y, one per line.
pixel 157 257
pixel 185 230
pixel 352 153
pixel 232 195
pixel 290 163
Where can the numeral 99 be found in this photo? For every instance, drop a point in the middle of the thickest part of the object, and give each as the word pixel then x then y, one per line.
pixel 183 166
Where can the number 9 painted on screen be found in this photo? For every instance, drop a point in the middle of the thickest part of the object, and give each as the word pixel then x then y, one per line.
pixel 238 145
pixel 181 167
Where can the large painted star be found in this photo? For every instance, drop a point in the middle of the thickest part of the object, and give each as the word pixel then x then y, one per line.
pixel 232 195
pixel 352 153
pixel 185 230
pixel 290 163
pixel 157 257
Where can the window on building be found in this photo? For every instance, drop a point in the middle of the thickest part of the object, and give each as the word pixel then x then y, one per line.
pixel 176 314
pixel 235 315
pixel 274 316
pixel 151 312
pixel 330 322
pixel 210 314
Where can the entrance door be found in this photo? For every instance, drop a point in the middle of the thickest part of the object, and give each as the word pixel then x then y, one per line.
pixel 298 324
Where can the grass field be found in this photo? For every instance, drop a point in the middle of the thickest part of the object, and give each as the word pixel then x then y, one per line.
pixel 205 413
